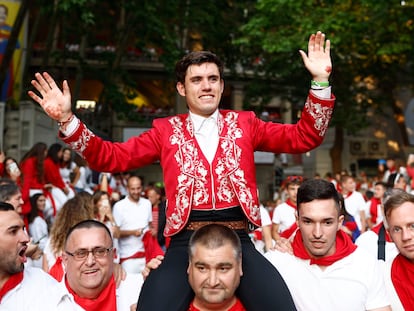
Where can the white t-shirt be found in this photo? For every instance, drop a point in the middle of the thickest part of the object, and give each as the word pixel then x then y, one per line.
pixel 353 283
pixel 284 215
pixel 369 242
pixel 38 231
pixel 354 204
pixel 37 291
pixel 130 215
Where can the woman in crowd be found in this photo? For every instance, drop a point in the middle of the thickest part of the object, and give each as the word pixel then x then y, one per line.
pixel 68 169
pixel 38 228
pixel 33 178
pixel 103 213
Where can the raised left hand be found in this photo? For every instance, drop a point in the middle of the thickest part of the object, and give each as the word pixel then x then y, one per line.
pixel 318 60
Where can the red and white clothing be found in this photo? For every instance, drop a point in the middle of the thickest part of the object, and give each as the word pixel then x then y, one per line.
pixel 354 282
pixel 36 291
pixel 374 211
pixel 125 295
pixel 131 215
pixel 191 181
pixel 284 215
pixel 399 280
pixel 354 204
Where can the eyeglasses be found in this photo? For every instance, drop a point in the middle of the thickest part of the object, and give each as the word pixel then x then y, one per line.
pixel 97 252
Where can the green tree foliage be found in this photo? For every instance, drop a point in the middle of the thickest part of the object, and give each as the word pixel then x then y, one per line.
pixel 372 51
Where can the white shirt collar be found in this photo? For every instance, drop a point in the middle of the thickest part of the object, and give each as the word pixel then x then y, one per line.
pixel 198 120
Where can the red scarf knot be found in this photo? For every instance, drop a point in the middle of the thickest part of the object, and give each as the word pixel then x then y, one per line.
pixel 344 247
pixel 106 301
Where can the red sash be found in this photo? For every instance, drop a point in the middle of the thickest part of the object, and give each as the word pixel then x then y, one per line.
pixel 152 248
pixel 106 301
pixel 139 254
pixel 236 307
pixel 344 247
pixel 402 276
pixel 11 283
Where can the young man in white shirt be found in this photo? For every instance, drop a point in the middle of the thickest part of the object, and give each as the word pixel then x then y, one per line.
pixel 327 271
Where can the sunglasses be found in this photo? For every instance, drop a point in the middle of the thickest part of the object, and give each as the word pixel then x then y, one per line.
pixel 294 178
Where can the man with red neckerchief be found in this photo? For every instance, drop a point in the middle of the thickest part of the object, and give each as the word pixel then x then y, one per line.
pixel 326 270
pixel 24 288
pixel 399 273
pixel 215 268
pixel 89 265
pixel 283 219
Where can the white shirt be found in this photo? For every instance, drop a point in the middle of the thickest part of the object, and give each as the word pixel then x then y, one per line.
pixel 353 283
pixel 369 242
pixel 131 215
pixel 284 215
pixel 37 291
pixel 206 133
pixel 354 204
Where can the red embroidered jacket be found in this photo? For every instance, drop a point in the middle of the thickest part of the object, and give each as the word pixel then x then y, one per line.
pixel 190 181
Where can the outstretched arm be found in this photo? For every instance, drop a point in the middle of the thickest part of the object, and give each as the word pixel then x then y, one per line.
pixel 56 103
pixel 318 60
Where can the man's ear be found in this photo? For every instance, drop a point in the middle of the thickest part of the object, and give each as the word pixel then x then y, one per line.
pixel 240 268
pixel 188 267
pixel 340 221
pixel 180 88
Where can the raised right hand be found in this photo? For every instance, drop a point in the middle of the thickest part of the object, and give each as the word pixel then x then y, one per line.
pixel 55 103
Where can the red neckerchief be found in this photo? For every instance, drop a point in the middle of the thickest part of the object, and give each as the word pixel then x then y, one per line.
pixel 402 276
pixel 11 283
pixel 377 228
pixel 373 209
pixel 236 307
pixel 290 203
pixel 346 196
pixel 106 301
pixel 344 247
pixel 57 269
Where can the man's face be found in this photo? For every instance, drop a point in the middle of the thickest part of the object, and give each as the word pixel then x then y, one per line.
pixel 214 275
pixel 17 202
pixel 292 191
pixel 153 196
pixel 401 229
pixel 134 188
pixel 88 277
pixel 379 191
pixel 13 243
pixel 202 88
pixel 319 222
pixel 349 185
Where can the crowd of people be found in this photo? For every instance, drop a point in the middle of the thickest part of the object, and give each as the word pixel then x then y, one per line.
pixel 91 246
